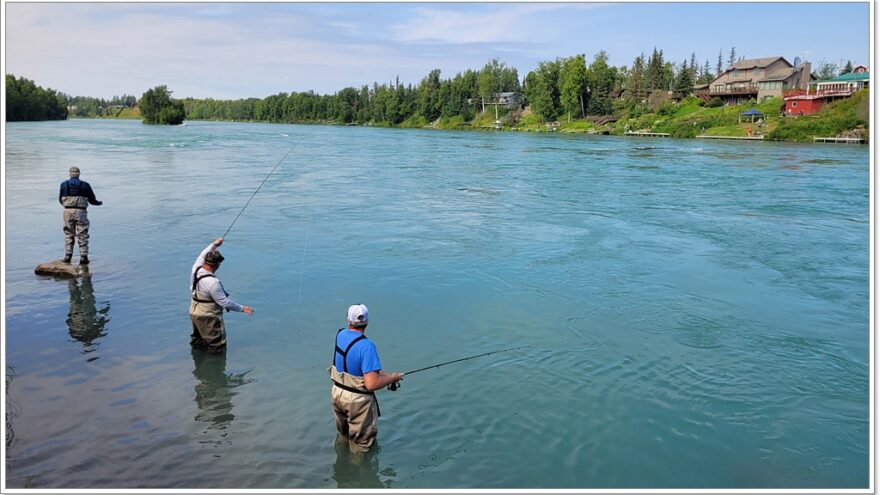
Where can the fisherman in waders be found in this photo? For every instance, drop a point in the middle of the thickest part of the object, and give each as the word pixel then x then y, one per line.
pixel 209 299
pixel 75 196
pixel 356 373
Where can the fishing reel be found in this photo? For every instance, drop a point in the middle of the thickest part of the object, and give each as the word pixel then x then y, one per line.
pixel 394 386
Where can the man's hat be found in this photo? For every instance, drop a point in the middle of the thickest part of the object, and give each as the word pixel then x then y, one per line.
pixel 214 258
pixel 74 171
pixel 357 313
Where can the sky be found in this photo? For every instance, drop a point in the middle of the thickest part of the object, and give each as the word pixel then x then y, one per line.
pixel 241 50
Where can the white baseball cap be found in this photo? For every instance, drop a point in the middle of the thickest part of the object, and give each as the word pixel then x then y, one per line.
pixel 357 313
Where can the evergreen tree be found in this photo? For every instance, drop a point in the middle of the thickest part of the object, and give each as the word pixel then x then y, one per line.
pixel 732 59
pixel 429 98
pixel 719 66
pixel 601 81
pixel 635 84
pixel 684 81
pixel 847 68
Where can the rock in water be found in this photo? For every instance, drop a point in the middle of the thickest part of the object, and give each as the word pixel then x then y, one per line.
pixel 59 268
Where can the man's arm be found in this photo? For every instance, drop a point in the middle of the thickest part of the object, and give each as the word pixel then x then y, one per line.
pixel 220 297
pixel 61 192
pixel 201 258
pixel 87 188
pixel 375 380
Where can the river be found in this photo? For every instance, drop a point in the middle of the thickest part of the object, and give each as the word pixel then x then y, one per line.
pixel 697 311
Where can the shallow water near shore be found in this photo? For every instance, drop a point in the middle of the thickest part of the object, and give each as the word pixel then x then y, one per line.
pixel 696 311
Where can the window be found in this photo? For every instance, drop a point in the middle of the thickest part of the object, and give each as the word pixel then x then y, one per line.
pixel 794 104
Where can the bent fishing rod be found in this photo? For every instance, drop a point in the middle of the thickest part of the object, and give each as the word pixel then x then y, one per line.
pixel 264 181
pixel 396 385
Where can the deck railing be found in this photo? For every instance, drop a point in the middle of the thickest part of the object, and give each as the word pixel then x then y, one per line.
pixel 821 92
pixel 734 90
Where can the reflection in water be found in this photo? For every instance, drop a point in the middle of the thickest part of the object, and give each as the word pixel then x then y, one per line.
pixel 84 320
pixel 11 409
pixel 359 470
pixel 215 390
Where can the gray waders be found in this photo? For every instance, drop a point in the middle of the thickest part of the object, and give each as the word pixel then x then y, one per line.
pixel 76 224
pixel 206 315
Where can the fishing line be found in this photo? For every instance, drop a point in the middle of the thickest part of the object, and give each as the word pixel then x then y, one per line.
pixel 394 386
pixel 264 181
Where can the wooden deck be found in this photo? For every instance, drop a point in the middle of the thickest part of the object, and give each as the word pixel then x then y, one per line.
pixel 740 138
pixel 838 140
pixel 646 134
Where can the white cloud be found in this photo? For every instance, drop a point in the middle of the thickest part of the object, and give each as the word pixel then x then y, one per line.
pixel 498 24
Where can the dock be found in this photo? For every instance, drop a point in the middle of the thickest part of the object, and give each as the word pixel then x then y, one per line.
pixel 646 134
pixel 741 138
pixel 839 140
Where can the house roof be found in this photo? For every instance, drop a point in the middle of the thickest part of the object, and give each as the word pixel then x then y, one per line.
pixel 779 76
pixel 852 76
pixel 756 62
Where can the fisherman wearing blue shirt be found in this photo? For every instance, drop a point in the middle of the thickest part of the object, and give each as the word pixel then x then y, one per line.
pixel 76 196
pixel 356 373
pixel 209 299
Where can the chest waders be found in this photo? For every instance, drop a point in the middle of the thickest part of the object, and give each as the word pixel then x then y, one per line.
pixel 355 384
pixel 72 198
pixel 215 308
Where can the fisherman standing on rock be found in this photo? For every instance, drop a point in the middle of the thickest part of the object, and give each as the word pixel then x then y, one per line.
pixel 209 299
pixel 76 196
pixel 356 373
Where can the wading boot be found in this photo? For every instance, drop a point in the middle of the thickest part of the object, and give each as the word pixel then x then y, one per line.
pixel 67 258
pixel 84 259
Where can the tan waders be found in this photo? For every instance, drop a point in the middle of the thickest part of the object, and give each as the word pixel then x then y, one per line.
pixel 356 410
pixel 207 325
pixel 76 224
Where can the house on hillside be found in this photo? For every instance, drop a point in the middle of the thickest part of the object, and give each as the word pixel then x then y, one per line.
pixel 820 93
pixel 860 68
pixel 509 99
pixel 756 79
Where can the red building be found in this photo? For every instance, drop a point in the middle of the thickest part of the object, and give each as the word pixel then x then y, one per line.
pixel 803 104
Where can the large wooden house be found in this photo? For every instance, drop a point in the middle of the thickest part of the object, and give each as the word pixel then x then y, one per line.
pixel 756 79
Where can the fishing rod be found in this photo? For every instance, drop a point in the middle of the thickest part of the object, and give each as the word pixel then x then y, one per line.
pixel 264 181
pixel 396 385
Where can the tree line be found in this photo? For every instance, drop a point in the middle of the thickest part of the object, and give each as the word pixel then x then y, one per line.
pixel 569 88
pixel 25 101
pixel 564 87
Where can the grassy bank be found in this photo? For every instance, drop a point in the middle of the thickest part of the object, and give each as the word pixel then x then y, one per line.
pixel 688 119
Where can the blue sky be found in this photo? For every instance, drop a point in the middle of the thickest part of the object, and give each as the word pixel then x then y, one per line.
pixel 237 50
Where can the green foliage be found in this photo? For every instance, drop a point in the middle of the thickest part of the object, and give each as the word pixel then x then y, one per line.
pixel 573 85
pixel 542 90
pixel 602 79
pixel 715 102
pixel 25 101
pixel 157 107
pixel 826 70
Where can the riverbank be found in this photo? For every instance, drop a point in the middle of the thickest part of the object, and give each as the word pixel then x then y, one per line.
pixel 690 118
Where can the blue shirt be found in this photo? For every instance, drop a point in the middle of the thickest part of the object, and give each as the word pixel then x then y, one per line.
pixel 362 357
pixel 75 187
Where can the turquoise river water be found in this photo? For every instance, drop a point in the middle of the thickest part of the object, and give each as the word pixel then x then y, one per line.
pixel 697 311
